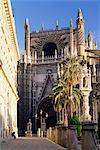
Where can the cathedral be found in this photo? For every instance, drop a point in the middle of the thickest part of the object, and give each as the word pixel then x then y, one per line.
pixel 39 69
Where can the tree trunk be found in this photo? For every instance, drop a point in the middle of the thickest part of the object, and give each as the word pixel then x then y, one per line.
pixel 65 117
pixel 70 112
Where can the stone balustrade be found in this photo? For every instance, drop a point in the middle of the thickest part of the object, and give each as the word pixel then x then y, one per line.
pixel 58 135
pixel 65 136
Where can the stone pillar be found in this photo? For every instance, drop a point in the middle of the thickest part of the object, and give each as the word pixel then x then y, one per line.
pixel 85 87
pixel 58 70
pixel 85 108
pixel 35 56
pixel 72 139
pixel 94 69
pixel 62 54
pixel 39 132
pixel 42 56
pixel 57 117
pixel 60 117
pixel 63 115
pixel 88 136
pixel 95 113
pixel 66 51
pixel 55 54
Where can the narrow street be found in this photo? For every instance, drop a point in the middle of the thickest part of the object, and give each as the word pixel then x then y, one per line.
pixel 30 144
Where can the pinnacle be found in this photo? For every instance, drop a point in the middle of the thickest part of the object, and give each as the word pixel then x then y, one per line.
pixel 26 21
pixel 71 23
pixel 80 15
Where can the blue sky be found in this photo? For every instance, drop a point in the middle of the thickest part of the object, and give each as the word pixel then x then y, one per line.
pixel 48 11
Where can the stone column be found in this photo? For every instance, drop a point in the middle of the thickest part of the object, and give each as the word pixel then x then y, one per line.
pixel 42 56
pixel 63 115
pixel 85 87
pixel 62 55
pixel 94 69
pixel 35 56
pixel 88 136
pixel 39 132
pixel 95 113
pixel 58 70
pixel 66 51
pixel 60 117
pixel 85 108
pixel 55 54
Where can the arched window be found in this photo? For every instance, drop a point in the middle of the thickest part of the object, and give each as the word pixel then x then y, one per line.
pixel 49 49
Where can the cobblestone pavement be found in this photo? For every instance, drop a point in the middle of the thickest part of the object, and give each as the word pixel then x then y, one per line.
pixel 30 144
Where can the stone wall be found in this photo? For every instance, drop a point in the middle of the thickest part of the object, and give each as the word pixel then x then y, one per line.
pixel 58 135
pixel 65 136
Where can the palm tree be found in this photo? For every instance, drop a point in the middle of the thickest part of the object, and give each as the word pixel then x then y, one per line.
pixel 65 94
pixel 71 74
pixel 61 98
pixel 59 95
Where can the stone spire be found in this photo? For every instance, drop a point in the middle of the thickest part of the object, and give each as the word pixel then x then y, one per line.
pixel 71 37
pixel 57 24
pixel 71 23
pixel 80 33
pixel 90 40
pixel 42 27
pixel 26 22
pixel 86 43
pixel 80 15
pixel 27 37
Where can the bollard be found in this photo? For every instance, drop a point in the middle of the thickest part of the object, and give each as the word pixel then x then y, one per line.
pixel 39 132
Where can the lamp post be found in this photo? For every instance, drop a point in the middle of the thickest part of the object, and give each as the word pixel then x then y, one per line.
pixel 42 129
pixel 41 112
pixel 43 122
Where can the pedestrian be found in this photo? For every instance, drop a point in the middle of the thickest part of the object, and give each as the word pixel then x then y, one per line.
pixel 13 135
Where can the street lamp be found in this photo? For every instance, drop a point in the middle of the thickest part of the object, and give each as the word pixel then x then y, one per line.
pixel 46 115
pixel 41 112
pixel 42 129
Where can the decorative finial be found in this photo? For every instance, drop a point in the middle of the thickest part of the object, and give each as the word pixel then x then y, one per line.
pixel 26 21
pixel 90 36
pixel 80 15
pixel 42 27
pixel 71 23
pixel 57 24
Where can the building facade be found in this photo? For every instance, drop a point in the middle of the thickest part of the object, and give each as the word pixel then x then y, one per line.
pixel 39 69
pixel 9 55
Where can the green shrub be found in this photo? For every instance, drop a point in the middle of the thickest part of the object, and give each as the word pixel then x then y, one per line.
pixel 75 121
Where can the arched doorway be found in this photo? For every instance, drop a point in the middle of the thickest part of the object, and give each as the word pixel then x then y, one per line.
pixel 47 109
pixel 49 49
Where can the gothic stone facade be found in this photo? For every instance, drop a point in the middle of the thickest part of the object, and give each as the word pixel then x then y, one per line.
pixel 39 68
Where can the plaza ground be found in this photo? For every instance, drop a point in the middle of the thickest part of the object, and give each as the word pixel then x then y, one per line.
pixel 35 143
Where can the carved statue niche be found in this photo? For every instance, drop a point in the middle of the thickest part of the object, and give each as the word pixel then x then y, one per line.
pixel 29 125
pixel 85 82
